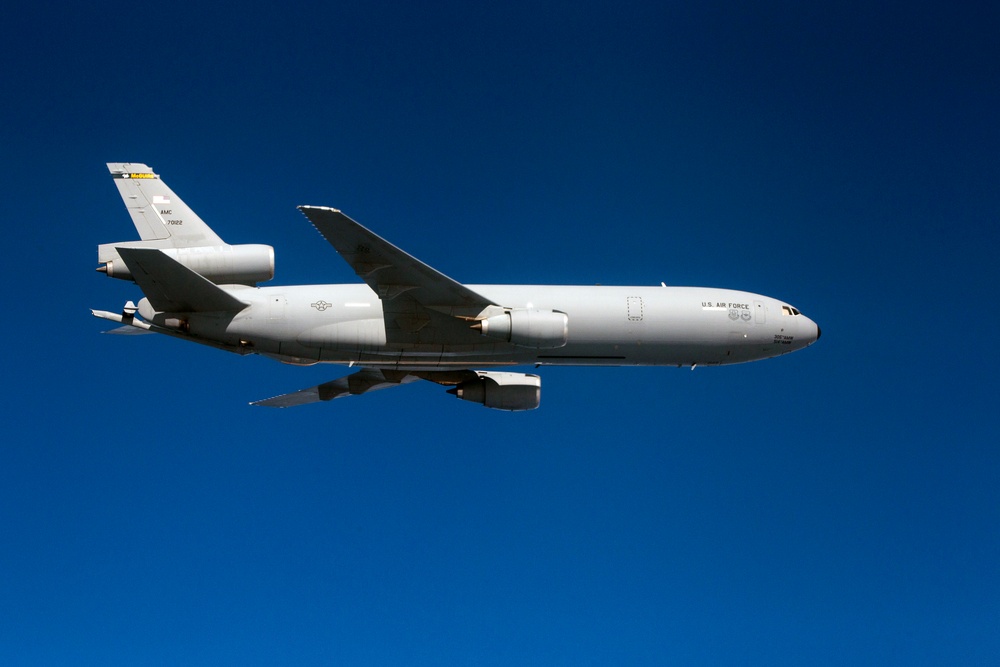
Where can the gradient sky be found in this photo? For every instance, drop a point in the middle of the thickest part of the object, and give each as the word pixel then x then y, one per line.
pixel 836 506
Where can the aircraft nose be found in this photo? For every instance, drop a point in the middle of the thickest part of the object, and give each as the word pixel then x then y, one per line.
pixel 814 336
pixel 808 332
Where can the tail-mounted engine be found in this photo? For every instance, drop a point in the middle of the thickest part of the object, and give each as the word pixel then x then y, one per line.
pixel 222 264
pixel 527 327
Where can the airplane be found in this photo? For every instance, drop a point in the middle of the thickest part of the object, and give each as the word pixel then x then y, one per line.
pixel 407 321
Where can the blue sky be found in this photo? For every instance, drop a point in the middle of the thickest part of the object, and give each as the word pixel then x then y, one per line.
pixel 839 505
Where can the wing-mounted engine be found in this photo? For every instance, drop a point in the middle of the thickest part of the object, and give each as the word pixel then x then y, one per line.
pixel 501 391
pixel 527 327
pixel 225 264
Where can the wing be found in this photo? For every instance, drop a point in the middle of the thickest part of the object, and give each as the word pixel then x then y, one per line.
pixel 389 271
pixel 421 304
pixel 502 391
pixel 360 382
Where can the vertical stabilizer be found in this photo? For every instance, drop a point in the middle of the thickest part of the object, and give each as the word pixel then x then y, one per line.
pixel 158 213
pixel 167 224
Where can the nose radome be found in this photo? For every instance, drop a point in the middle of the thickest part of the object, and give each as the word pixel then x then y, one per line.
pixel 809 331
pixel 819 332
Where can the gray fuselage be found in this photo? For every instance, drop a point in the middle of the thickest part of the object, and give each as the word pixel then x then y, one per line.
pixel 607 326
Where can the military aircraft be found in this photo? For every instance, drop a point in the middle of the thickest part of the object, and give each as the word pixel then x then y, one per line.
pixel 409 322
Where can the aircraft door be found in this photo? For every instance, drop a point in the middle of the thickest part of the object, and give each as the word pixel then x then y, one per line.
pixel 760 312
pixel 634 308
pixel 635 328
pixel 276 307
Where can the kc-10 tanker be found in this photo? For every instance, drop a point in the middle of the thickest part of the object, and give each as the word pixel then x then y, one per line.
pixel 407 321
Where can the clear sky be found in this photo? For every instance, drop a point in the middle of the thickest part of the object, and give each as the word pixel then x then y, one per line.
pixel 836 506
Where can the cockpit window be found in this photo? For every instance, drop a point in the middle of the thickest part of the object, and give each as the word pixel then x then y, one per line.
pixel 788 310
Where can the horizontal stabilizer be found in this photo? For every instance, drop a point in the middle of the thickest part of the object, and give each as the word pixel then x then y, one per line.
pixel 361 382
pixel 128 330
pixel 172 287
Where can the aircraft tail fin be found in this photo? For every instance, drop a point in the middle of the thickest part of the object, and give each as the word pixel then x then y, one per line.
pixel 172 287
pixel 157 213
pixel 166 223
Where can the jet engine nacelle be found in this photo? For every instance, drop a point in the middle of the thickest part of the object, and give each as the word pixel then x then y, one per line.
pixel 223 264
pixel 527 327
pixel 502 391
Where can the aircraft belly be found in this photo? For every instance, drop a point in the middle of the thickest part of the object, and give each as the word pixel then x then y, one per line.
pixel 359 335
